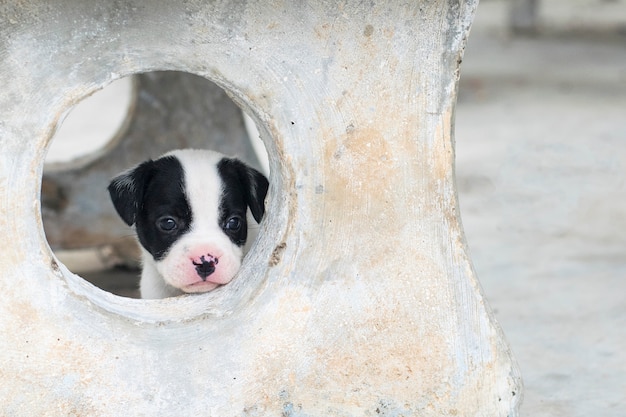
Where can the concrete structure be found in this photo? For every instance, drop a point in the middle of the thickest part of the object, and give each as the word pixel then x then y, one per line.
pixel 358 299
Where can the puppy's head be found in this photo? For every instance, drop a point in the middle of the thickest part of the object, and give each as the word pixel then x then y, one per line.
pixel 189 208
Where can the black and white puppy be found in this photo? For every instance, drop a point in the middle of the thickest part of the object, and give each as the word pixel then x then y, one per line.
pixel 190 209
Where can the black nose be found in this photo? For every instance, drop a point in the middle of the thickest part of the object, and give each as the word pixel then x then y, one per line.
pixel 205 268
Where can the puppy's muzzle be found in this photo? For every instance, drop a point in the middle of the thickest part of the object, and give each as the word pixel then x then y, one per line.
pixel 205 267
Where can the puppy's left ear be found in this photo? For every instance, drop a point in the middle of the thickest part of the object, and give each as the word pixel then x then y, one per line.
pixel 253 183
pixel 126 191
pixel 257 187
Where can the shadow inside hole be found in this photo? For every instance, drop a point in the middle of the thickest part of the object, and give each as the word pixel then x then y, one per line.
pixel 168 110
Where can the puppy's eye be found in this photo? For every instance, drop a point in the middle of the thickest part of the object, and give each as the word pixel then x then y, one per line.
pixel 233 224
pixel 166 224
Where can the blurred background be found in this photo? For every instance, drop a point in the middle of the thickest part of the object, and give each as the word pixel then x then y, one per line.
pixel 541 175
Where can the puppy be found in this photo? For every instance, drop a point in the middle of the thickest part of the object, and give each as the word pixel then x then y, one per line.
pixel 190 209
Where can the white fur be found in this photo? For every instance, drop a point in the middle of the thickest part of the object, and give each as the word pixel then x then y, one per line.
pixel 153 285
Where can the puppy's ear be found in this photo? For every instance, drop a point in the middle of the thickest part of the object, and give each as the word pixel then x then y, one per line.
pixel 253 183
pixel 126 191
pixel 257 190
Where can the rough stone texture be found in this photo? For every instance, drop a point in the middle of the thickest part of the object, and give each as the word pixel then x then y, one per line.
pixel 359 297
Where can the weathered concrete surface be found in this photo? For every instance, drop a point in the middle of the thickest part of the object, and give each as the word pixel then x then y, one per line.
pixel 555 278
pixel 359 298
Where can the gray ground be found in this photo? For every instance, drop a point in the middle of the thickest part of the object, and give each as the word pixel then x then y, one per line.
pixel 541 171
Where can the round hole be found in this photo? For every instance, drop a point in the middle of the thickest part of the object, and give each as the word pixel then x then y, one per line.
pixel 163 111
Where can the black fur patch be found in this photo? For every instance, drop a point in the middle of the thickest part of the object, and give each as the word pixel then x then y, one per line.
pixel 243 187
pixel 153 191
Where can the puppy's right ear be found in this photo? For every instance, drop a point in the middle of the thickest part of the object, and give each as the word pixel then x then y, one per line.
pixel 126 191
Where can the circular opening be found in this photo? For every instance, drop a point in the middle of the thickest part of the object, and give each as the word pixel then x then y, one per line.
pixel 162 111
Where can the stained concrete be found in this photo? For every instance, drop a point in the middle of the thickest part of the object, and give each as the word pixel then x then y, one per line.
pixel 358 124
pixel 541 170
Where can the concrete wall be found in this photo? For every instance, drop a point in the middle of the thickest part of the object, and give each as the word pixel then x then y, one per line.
pixel 358 299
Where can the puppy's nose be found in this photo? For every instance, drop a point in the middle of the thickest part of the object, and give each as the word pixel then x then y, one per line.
pixel 205 267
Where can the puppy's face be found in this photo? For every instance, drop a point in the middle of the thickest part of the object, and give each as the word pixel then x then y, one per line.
pixel 189 209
